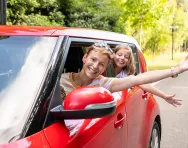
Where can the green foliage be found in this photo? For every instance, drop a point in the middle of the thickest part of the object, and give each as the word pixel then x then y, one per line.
pixel 34 12
pixel 181 21
pixel 99 14
pixel 147 20
pixel 143 13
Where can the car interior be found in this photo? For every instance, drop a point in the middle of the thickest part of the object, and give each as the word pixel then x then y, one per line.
pixel 74 60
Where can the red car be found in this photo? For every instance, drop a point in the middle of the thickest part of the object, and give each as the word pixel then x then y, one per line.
pixel 32 60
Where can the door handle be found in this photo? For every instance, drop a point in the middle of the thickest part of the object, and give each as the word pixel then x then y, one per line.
pixel 145 95
pixel 119 122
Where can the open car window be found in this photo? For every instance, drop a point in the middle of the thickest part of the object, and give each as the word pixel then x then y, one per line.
pixel 76 49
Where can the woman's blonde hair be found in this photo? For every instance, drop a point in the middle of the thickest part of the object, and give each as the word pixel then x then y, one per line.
pixel 102 50
pixel 130 68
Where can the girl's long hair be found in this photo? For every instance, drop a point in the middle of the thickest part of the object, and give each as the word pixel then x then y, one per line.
pixel 130 68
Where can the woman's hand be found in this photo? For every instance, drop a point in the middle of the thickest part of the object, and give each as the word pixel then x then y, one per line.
pixel 171 100
pixel 182 66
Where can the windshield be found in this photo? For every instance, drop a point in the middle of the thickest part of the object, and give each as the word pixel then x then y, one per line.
pixel 23 63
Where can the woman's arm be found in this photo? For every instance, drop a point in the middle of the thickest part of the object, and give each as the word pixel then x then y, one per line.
pixel 144 78
pixel 168 98
pixel 148 77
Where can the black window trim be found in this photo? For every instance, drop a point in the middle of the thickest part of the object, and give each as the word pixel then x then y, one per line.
pixel 32 124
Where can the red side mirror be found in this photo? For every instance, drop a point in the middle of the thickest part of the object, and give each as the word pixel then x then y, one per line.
pixel 84 97
pixel 84 103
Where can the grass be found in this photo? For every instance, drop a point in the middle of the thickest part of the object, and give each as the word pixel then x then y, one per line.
pixel 163 61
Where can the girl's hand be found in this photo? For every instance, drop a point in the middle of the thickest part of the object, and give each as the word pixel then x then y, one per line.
pixel 173 101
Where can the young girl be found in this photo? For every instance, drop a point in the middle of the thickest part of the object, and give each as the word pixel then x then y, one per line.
pixel 96 61
pixel 124 66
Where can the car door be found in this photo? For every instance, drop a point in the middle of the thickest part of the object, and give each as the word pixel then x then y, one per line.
pixel 100 132
pixel 135 104
pixel 113 133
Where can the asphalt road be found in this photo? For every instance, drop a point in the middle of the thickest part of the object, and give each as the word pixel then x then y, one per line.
pixel 174 119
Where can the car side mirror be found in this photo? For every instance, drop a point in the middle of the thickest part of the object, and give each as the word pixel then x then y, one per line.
pixel 86 102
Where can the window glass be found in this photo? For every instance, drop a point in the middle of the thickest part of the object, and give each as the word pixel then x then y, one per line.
pixel 135 54
pixel 23 64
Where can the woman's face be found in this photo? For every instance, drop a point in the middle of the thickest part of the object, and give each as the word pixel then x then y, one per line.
pixel 95 64
pixel 121 58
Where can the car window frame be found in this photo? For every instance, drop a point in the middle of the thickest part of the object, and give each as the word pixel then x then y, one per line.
pixel 65 45
pixel 68 44
pixel 45 92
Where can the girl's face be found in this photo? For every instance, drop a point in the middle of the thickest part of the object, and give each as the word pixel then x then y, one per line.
pixel 95 64
pixel 121 58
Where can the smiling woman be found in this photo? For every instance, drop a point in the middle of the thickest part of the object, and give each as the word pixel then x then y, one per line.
pixel 94 65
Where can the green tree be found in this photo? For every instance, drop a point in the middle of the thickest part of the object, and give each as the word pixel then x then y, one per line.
pixel 98 14
pixel 180 20
pixel 141 15
pixel 34 12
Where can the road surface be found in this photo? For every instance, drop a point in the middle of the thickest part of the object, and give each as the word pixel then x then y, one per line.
pixel 174 119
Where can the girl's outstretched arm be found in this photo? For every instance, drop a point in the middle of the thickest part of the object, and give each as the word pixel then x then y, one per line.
pixel 168 98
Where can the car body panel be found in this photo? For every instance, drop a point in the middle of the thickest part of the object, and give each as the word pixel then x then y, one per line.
pixel 60 31
pixel 151 110
pixel 149 117
pixel 34 141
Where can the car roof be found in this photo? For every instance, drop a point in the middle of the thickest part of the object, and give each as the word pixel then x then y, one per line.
pixel 65 31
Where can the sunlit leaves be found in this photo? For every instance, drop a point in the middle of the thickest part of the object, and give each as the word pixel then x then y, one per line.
pixel 99 14
pixel 147 20
pixel 34 12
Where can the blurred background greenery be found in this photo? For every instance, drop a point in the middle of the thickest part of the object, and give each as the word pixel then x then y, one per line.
pixel 164 61
pixel 149 21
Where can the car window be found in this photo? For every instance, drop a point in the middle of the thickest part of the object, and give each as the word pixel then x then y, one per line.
pixel 72 62
pixel 135 54
pixel 76 50
pixel 23 64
